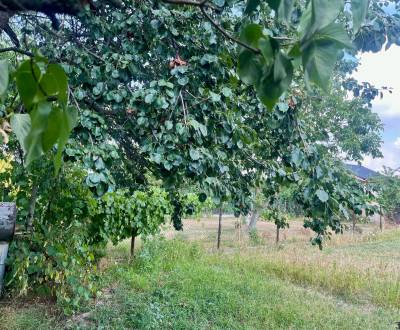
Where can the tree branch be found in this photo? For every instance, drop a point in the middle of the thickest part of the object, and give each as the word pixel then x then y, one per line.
pixel 71 7
pixel 226 34
pixel 17 50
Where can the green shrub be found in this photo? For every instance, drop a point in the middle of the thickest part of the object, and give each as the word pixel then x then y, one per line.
pixel 57 255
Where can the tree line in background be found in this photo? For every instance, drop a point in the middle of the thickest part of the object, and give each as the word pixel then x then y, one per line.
pixel 118 116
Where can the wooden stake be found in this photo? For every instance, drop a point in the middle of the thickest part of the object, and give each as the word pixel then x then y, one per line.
pixel 219 227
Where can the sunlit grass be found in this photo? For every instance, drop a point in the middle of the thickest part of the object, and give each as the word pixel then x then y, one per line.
pixel 184 283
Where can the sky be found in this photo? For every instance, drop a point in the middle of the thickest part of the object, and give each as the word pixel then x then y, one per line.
pixel 383 69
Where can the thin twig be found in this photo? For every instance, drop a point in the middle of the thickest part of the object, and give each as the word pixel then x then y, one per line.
pixel 183 107
pixel 74 99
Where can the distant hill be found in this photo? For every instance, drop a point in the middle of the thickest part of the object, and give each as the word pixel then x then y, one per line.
pixel 362 171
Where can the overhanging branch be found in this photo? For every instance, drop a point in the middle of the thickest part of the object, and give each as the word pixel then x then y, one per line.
pixel 70 7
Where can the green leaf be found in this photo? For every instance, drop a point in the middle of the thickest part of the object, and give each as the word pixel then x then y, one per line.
pixel 21 126
pixel 227 92
pixel 319 60
pixel 215 97
pixel 55 82
pixel 297 157
pixel 251 6
pixel 249 67
pixel 183 81
pixel 4 76
pixel 51 134
pixel 359 8
pixel 149 98
pixel 276 82
pixel 194 154
pixel 305 20
pixel 39 119
pixel 322 195
pixel 69 118
pixel 251 33
pixel 169 125
pixel 267 49
pixel 283 8
pixel 323 13
pixel 321 52
pixel 27 77
pixel 335 33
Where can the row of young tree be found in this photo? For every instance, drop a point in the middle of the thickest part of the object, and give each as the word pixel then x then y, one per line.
pixel 113 110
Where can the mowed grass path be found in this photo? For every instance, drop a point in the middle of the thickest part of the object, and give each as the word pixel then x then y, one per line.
pixel 176 284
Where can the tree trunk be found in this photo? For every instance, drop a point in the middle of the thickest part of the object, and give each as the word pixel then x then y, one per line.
pixel 380 220
pixel 134 234
pixel 255 214
pixel 277 234
pixel 219 228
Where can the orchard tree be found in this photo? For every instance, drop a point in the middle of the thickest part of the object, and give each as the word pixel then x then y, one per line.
pixel 183 121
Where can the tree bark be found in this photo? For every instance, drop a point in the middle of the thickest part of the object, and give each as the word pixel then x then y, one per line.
pixel 219 227
pixel 255 214
pixel 133 238
pixel 380 220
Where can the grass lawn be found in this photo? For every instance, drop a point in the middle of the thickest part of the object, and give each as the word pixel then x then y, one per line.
pixel 179 284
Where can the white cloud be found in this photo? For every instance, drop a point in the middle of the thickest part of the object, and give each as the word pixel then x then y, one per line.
pixel 381 69
pixel 390 159
pixel 397 143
